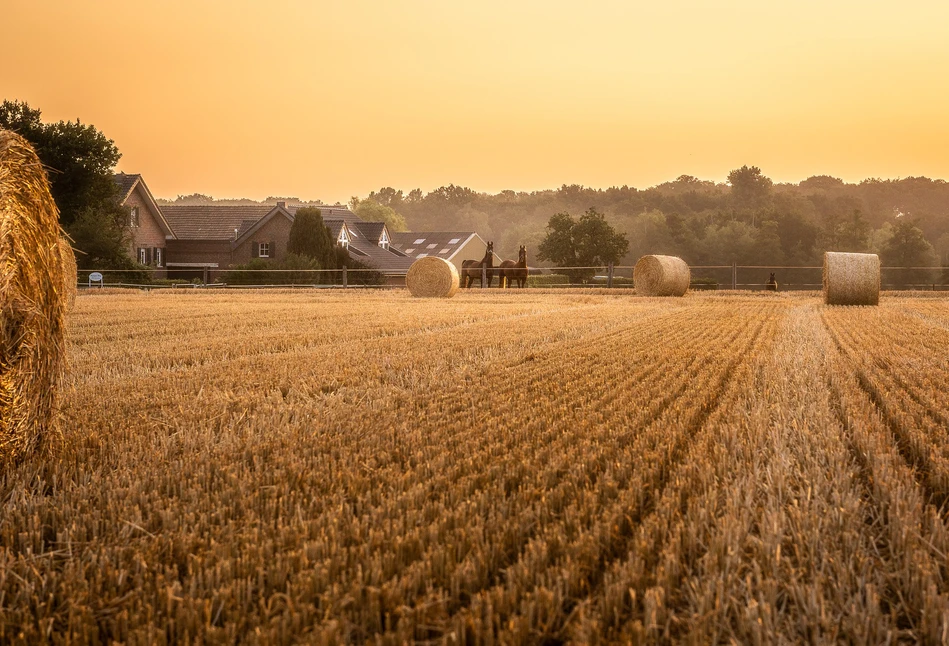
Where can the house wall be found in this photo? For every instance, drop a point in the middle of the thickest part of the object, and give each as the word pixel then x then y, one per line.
pixel 276 231
pixel 474 249
pixel 206 251
pixel 149 233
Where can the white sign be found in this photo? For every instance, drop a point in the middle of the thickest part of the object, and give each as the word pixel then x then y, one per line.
pixel 95 277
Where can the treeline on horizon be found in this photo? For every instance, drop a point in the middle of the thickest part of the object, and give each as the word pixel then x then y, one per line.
pixel 748 220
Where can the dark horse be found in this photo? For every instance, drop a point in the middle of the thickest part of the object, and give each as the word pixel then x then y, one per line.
pixel 510 271
pixel 471 269
pixel 772 284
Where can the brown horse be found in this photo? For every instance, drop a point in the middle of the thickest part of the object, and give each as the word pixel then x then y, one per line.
pixel 471 269
pixel 510 271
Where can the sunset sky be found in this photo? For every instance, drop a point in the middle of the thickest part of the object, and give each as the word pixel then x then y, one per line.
pixel 326 99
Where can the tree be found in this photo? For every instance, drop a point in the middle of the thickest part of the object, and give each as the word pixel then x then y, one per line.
pixel 309 237
pixel 854 233
pixel 81 161
pixel 588 242
pixel 751 191
pixel 372 211
pixel 908 247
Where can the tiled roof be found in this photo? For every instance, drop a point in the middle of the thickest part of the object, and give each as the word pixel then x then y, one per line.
pixel 443 244
pixel 204 222
pixel 125 182
pixel 376 257
pixel 371 231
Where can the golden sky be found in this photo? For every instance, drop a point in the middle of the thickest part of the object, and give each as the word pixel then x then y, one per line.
pixel 328 99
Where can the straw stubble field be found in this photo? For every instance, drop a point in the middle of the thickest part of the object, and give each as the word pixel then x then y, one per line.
pixel 497 468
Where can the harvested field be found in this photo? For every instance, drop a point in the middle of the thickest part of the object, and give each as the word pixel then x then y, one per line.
pixel 495 468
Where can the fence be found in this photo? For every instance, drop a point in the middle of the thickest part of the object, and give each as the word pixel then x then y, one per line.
pixel 710 277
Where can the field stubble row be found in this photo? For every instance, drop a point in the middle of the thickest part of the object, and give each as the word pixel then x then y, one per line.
pixel 553 467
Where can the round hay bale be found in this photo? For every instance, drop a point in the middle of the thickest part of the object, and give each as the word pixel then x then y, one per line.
pixel 851 278
pixel 661 276
pixel 32 304
pixel 432 277
pixel 70 272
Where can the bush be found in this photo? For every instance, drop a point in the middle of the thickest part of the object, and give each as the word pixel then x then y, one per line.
pixel 546 280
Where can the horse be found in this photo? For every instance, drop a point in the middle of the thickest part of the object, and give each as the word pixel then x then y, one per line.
pixel 514 271
pixel 772 284
pixel 471 269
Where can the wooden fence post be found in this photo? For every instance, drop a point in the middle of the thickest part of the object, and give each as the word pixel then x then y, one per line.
pixel 609 276
pixel 484 275
pixel 345 281
pixel 734 275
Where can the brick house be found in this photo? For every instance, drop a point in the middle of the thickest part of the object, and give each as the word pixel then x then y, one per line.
pixel 149 231
pixel 210 239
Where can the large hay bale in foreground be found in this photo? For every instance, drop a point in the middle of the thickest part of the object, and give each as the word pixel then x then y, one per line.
pixel 661 276
pixel 851 278
pixel 432 277
pixel 70 272
pixel 32 303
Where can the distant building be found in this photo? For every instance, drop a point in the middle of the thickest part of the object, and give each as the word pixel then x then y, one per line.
pixel 203 241
pixel 149 231
pixel 212 238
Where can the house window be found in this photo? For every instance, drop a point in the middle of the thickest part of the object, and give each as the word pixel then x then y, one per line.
pixel 142 256
pixel 384 240
pixel 412 250
pixel 420 241
pixel 343 239
pixel 133 217
pixel 454 241
pixel 431 246
pixel 445 250
pixel 158 258
pixel 263 250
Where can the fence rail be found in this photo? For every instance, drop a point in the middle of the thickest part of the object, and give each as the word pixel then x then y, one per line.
pixel 711 277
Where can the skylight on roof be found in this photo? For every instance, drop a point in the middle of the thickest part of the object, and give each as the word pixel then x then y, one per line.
pixel 419 241
pixel 431 246
pixel 454 241
pixel 445 250
pixel 412 250
pixel 421 255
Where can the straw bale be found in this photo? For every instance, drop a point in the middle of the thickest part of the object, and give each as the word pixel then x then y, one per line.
pixel 32 304
pixel 70 272
pixel 661 276
pixel 851 278
pixel 432 277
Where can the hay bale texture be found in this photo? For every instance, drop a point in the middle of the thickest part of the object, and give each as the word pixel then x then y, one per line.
pixel 432 277
pixel 851 278
pixel 70 272
pixel 661 276
pixel 32 304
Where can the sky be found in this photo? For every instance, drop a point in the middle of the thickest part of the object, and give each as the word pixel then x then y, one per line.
pixel 326 99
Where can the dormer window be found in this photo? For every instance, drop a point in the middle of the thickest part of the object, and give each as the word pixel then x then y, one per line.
pixel 384 239
pixel 133 217
pixel 343 239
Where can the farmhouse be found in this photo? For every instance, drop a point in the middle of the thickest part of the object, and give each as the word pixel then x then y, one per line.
pixel 204 241
pixel 149 231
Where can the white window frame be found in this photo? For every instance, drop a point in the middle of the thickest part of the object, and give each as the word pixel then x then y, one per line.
pixel 134 221
pixel 384 240
pixel 263 249
pixel 343 239
pixel 158 256
pixel 142 255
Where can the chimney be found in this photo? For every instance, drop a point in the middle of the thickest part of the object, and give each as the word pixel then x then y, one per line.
pixel 282 205
pixel 235 233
